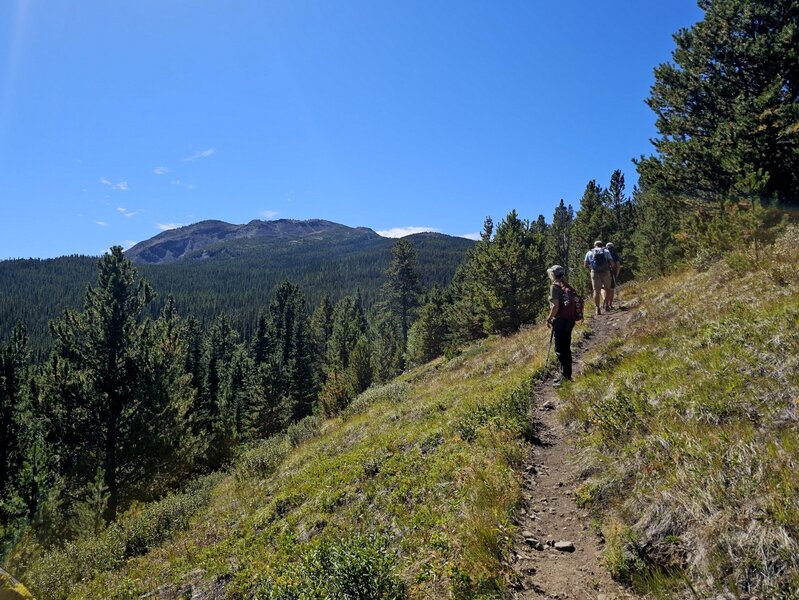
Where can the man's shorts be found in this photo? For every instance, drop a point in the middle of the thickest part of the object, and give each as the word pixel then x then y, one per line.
pixel 600 280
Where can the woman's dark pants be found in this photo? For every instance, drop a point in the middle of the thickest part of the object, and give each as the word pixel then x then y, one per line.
pixel 563 345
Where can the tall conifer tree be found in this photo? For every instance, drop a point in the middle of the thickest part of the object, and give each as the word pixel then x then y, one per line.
pixel 106 418
pixel 403 284
pixel 728 105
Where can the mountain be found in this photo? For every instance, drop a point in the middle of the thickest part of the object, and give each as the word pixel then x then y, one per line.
pixel 201 239
pixel 213 266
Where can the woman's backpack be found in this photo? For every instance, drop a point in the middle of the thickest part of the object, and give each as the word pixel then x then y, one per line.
pixel 572 308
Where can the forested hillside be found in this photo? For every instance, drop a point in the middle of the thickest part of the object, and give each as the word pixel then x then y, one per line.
pixel 237 277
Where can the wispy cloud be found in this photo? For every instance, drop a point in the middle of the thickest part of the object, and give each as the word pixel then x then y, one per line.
pixel 398 232
pixel 101 223
pixel 122 185
pixel 129 213
pixel 168 226
pixel 188 186
pixel 268 214
pixel 471 236
pixel 127 244
pixel 200 154
pixel 161 170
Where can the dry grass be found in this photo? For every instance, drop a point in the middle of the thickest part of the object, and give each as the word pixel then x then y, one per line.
pixel 690 437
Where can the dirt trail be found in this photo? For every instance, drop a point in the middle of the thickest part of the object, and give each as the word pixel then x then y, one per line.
pixel 550 513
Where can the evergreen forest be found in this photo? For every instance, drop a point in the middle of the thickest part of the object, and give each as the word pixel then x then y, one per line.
pixel 133 397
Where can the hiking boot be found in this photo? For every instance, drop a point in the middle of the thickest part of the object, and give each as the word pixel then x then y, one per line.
pixel 598 311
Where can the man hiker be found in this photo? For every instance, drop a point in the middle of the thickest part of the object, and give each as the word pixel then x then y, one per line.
pixel 614 275
pixel 600 263
pixel 561 319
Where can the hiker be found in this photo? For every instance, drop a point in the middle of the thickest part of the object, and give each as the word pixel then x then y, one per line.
pixel 565 310
pixel 614 275
pixel 600 263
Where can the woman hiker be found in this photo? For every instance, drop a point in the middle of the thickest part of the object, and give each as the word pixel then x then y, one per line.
pixel 561 326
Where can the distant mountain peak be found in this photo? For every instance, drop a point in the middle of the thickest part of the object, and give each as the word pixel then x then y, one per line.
pixel 177 244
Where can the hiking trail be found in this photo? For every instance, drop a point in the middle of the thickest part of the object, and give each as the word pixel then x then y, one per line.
pixel 557 552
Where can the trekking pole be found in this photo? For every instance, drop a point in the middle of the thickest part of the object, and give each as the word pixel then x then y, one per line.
pixel 546 368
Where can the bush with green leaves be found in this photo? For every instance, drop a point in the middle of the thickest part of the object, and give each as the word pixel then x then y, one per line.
pixel 513 412
pixel 56 572
pixel 393 393
pixel 357 568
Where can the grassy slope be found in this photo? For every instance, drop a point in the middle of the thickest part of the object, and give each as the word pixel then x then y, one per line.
pixel 687 425
pixel 426 463
pixel 689 429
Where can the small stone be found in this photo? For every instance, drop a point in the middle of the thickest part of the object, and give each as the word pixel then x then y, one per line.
pixel 564 546
pixel 527 533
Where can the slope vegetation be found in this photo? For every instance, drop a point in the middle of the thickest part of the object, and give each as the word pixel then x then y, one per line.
pixel 685 425
pixel 411 491
pixel 688 429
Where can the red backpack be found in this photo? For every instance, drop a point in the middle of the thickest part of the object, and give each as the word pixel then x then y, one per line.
pixel 572 309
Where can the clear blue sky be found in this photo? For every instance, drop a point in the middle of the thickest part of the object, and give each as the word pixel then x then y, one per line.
pixel 121 118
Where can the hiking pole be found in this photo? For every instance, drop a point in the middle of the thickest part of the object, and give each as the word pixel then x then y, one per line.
pixel 546 368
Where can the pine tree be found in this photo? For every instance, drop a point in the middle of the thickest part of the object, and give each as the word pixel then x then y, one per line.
pixel 622 210
pixel 236 400
pixel 560 236
pixel 359 370
pixel 321 329
pixel 14 365
pixel 27 469
pixel 99 384
pixel 218 346
pixel 511 276
pixel 728 104
pixel 463 313
pixel 387 347
pixel 655 249
pixel 403 285
pixel 291 327
pixel 429 333
pixel 166 346
pixel 349 324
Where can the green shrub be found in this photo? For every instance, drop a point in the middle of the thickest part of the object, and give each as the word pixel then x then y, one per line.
pixel 358 568
pixel 394 393
pixel 55 574
pixel 262 459
pixel 738 262
pixel 304 430
pixel 512 413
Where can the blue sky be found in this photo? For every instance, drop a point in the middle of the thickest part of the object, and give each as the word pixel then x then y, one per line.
pixel 119 119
